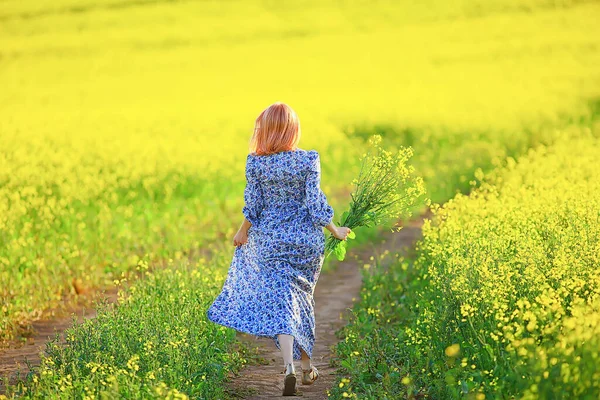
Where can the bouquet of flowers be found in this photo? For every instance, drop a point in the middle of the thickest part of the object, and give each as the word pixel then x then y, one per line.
pixel 384 190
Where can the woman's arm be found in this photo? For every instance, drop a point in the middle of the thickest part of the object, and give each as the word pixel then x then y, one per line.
pixel 321 213
pixel 241 237
pixel 319 209
pixel 339 232
pixel 253 203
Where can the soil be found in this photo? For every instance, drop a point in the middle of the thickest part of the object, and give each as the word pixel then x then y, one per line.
pixel 335 294
pixel 15 358
pixel 16 355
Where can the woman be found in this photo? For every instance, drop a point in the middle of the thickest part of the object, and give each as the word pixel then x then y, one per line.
pixel 280 245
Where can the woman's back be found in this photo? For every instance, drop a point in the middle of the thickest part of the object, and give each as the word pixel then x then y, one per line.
pixel 280 245
pixel 282 177
pixel 285 186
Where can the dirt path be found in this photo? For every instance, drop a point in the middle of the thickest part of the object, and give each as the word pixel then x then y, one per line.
pixel 335 293
pixel 14 359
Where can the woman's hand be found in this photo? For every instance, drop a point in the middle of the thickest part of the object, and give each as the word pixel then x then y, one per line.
pixel 241 237
pixel 341 232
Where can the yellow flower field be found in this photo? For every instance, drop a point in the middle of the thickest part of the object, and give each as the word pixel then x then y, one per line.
pixel 512 267
pixel 502 298
pixel 124 124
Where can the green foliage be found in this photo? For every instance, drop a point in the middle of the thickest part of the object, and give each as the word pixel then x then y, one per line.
pixel 372 354
pixel 385 190
pixel 508 265
pixel 139 148
pixel 502 299
pixel 156 343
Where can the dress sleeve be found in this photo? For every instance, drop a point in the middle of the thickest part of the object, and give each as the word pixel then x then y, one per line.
pixel 319 209
pixel 253 196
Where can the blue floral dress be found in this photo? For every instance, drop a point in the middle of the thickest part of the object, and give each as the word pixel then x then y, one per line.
pixel 271 280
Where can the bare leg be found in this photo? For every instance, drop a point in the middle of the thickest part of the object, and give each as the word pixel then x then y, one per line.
pixel 309 371
pixel 305 361
pixel 286 343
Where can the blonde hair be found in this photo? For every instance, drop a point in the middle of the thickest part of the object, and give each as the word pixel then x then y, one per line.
pixel 276 129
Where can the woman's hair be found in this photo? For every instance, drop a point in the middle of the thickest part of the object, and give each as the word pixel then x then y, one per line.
pixel 276 129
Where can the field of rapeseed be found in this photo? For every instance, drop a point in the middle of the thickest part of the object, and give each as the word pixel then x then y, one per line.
pixel 514 278
pixel 502 299
pixel 117 143
pixel 156 343
pixel 124 127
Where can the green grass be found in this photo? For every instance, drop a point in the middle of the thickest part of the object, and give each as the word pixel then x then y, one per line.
pixel 372 356
pixel 501 297
pixel 155 343
pixel 124 124
pixel 124 127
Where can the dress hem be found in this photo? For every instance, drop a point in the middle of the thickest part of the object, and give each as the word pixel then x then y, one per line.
pixel 270 336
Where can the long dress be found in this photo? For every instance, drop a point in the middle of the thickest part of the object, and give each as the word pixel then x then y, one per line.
pixel 271 280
